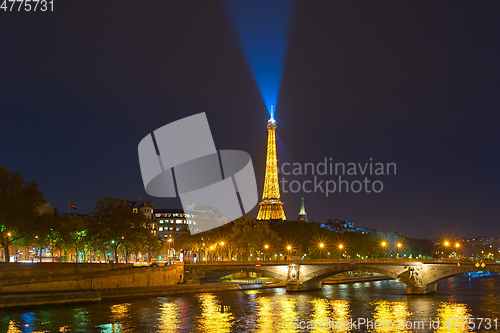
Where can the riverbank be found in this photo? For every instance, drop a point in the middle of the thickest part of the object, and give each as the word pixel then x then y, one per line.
pixel 34 300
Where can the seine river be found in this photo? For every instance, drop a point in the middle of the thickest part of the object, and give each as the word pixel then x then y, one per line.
pixel 274 310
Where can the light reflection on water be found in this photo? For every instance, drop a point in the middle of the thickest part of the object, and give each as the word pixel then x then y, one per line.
pixel 168 317
pixel 272 310
pixel 214 316
pixel 447 312
pixel 396 313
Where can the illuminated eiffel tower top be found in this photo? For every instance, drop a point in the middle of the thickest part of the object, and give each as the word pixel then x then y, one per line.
pixel 271 207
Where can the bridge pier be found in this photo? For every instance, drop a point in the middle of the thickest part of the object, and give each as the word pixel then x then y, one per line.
pixel 306 286
pixel 421 290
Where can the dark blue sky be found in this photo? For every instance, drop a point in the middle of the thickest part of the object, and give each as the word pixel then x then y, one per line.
pixel 415 84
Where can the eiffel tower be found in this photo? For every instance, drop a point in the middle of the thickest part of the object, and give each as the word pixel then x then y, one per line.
pixel 271 207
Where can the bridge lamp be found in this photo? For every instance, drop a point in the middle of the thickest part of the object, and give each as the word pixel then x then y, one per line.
pixel 384 244
pixel 446 243
pixel 399 246
pixel 266 246
pixel 457 245
pixel 288 247
pixel 222 243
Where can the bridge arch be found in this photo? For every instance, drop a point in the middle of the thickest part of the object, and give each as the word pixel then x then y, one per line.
pixel 322 274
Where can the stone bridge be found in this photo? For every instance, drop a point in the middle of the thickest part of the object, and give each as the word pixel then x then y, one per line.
pixel 420 277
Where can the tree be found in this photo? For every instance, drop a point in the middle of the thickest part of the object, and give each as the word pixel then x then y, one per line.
pixel 19 204
pixel 116 225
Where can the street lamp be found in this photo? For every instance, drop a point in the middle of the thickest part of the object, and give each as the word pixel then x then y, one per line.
pixel 266 247
pixel 222 252
pixel 399 246
pixel 289 251
pixel 384 245
pixel 446 247
pixel 457 247
pixel 170 240
pixel 341 250
pixel 321 246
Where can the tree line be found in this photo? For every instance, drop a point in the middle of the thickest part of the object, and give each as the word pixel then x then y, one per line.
pixel 248 238
pixel 113 228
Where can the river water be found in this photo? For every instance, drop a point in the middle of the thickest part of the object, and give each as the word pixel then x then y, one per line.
pixel 274 310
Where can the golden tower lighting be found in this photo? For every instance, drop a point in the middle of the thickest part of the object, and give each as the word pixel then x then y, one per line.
pixel 271 207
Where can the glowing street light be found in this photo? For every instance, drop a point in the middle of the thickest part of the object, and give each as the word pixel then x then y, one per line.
pixel 399 246
pixel 289 251
pixel 446 247
pixel 341 250
pixel 321 247
pixel 384 245
pixel 222 253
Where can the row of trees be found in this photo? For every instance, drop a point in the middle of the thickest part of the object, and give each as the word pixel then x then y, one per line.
pixel 249 238
pixel 114 227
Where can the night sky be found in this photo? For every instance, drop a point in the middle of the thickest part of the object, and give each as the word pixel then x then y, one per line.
pixel 416 84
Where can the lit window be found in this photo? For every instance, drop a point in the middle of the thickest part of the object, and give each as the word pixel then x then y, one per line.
pixel 160 229
pixel 178 229
pixel 171 228
pixel 178 221
pixel 161 221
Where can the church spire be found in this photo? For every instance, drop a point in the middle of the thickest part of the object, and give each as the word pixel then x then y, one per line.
pixel 302 212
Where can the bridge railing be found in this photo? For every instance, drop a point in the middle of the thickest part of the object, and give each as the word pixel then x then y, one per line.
pixel 334 261
pixel 329 261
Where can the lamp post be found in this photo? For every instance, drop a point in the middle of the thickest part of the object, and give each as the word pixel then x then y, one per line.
pixel 446 246
pixel 341 250
pixel 321 246
pixel 399 246
pixel 289 251
pixel 266 248
pixel 169 241
pixel 212 254
pixel 457 247
pixel 384 245
pixel 222 250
